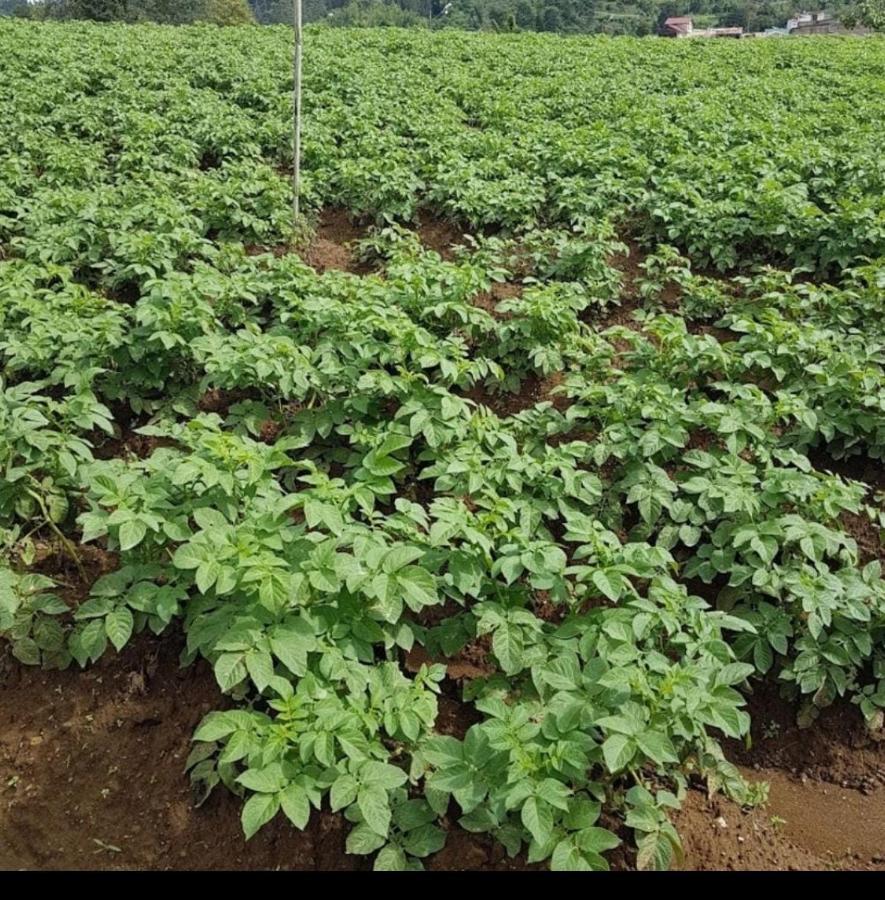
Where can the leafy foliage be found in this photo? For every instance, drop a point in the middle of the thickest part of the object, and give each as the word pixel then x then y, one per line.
pixel 581 482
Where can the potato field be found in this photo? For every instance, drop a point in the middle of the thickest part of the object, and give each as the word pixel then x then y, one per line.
pixel 496 503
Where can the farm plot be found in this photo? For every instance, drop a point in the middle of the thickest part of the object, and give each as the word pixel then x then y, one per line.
pixel 490 496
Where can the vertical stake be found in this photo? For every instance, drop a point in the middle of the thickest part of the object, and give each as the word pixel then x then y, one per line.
pixel 296 143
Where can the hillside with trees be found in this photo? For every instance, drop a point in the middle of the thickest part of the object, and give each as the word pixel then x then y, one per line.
pixel 637 17
pixel 172 12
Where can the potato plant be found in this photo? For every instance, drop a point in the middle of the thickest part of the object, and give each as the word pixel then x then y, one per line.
pixel 590 473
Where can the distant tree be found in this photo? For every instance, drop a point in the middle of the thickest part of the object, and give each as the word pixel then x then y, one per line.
pixel 170 12
pixel 13 7
pixel 869 13
pixel 735 16
pixel 226 12
pixel 551 19
pixel 525 14
pixel 96 10
pixel 365 13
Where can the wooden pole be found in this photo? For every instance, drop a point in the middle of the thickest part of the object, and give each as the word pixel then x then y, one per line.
pixel 296 177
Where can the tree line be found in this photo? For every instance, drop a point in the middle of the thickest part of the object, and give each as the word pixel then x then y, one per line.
pixel 637 17
pixel 172 12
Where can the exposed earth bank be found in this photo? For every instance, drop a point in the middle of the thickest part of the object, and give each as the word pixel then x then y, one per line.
pixel 92 776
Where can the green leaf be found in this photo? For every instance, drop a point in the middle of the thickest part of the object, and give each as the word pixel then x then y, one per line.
pixel 343 793
pixel 207 575
pixel 597 840
pixel 118 625
pixel 617 751
pixel 384 775
pixel 362 840
pixel 734 673
pixel 230 670
pixel 290 644
pixel 657 746
pixel 643 818
pixel 296 805
pixel 259 665
pixel 258 810
pixel 567 858
pixel 508 647
pixel 418 587
pixel 375 808
pixel 619 724
pixel 208 518
pixel 188 556
pixel 214 727
pixel 655 851
pixel 26 651
pixel 454 778
pixel 132 533
pixel 268 780
pixel 93 639
pixel 606 586
pixel 390 859
pixel 424 840
pixel 94 525
pixel 554 792
pixel 537 817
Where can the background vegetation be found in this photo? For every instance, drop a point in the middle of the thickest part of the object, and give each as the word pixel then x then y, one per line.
pixel 636 17
pixel 499 518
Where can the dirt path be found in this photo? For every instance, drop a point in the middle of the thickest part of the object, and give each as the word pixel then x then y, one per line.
pixel 91 776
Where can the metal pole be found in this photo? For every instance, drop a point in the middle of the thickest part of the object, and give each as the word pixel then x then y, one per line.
pixel 296 177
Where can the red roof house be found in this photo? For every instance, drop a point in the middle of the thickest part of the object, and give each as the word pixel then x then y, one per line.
pixel 678 26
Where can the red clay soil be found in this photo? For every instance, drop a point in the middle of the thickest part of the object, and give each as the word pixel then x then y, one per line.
pixel 91 776
pixel 532 391
pixel 807 824
pixel 500 290
pixel 630 266
pixel 439 235
pixel 826 806
pixel 332 246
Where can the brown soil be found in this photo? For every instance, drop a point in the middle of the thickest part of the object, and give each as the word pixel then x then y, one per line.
pixel 826 806
pixel 533 390
pixel 807 825
pixel 837 750
pixel 630 266
pixel 333 243
pixel 500 290
pixel 131 444
pixel 856 468
pixel 439 235
pixel 71 584
pixel 471 662
pixel 621 315
pixel 870 538
pixel 723 335
pixel 91 777
pixel 95 760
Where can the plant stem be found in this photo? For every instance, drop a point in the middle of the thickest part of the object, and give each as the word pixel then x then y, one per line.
pixel 66 543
